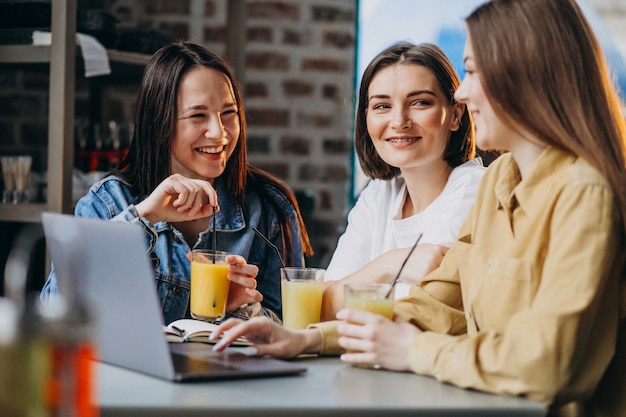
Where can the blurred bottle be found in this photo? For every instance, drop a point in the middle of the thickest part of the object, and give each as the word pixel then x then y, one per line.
pixel 46 354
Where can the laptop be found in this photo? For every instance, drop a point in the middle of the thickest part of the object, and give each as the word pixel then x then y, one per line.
pixel 114 275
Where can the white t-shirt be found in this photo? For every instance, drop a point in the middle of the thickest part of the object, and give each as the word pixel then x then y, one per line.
pixel 375 225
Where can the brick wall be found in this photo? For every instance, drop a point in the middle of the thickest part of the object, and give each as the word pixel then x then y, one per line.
pixel 298 83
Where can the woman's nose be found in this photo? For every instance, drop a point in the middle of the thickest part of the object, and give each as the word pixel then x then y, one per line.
pixel 460 95
pixel 400 119
pixel 215 128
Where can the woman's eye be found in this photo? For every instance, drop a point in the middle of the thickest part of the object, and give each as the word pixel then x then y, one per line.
pixel 229 112
pixel 380 106
pixel 197 115
pixel 421 103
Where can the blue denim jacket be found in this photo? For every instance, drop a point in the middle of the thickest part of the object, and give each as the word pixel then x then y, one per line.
pixel 111 199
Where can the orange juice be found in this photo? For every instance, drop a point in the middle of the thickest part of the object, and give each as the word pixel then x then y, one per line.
pixel 302 303
pixel 209 290
pixel 384 306
pixel 370 297
pixel 301 295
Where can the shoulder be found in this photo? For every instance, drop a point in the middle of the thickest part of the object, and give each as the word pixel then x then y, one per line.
pixel 379 188
pixel 109 183
pixel 471 171
pixel 106 198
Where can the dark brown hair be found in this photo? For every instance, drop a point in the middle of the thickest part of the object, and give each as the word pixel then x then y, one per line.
pixel 148 161
pixel 461 146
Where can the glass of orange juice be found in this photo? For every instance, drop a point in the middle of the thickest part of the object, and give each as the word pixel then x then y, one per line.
pixel 209 284
pixel 301 293
pixel 370 297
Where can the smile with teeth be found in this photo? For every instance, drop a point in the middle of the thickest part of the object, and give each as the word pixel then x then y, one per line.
pixel 211 149
pixel 403 140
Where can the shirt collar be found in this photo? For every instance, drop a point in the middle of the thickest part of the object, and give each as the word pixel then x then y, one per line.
pixel 511 191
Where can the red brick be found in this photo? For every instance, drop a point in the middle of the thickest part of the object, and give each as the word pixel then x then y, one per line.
pixel 315 120
pixel 256 90
pixel 278 169
pixel 258 144
pixel 338 39
pixel 330 91
pixel 215 34
pixel 260 34
pixel 295 145
pixel 297 88
pixel 324 65
pixel 337 146
pixel 292 37
pixel 267 61
pixel 273 10
pixel 268 117
pixel 332 14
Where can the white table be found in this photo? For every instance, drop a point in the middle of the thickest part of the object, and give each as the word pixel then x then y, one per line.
pixel 328 388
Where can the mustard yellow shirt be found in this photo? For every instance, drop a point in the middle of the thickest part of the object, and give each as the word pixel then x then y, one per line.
pixel 528 301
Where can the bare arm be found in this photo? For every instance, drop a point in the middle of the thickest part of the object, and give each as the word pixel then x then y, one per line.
pixel 383 269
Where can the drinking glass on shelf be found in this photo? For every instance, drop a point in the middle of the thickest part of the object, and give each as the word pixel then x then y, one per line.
pixel 22 179
pixel 8 176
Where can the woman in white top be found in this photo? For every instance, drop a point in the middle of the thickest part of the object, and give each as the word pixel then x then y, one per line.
pixel 417 144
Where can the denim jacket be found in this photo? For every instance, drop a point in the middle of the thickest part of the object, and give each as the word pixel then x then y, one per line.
pixel 111 199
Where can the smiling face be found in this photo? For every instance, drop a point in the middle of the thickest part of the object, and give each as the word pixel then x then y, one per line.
pixel 409 118
pixel 491 132
pixel 207 125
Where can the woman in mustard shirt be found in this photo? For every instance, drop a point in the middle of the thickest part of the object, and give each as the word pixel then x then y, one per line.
pixel 530 300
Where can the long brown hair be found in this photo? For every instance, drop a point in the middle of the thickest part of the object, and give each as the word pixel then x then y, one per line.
pixel 461 145
pixel 148 161
pixel 543 69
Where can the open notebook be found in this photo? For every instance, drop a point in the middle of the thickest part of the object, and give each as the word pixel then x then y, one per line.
pixel 118 283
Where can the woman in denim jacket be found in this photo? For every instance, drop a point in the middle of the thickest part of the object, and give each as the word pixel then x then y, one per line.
pixel 186 159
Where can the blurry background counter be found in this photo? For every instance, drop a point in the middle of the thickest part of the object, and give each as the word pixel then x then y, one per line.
pixel 328 388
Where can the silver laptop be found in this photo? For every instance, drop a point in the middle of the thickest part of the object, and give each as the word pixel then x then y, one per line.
pixel 111 261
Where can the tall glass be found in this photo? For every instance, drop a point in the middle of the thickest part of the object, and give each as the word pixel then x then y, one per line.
pixel 209 284
pixel 301 291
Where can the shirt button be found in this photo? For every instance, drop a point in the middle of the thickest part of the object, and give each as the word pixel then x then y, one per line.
pixel 177 290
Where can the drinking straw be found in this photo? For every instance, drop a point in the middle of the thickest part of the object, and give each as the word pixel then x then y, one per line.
pixel 214 235
pixel 395 280
pixel 271 245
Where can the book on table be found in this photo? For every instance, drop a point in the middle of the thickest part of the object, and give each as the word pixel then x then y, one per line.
pixel 191 330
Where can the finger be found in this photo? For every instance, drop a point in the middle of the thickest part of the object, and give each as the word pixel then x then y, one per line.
pixel 250 271
pixel 255 296
pixel 359 358
pixel 208 194
pixel 246 282
pixel 357 316
pixel 227 324
pixel 235 260
pixel 229 332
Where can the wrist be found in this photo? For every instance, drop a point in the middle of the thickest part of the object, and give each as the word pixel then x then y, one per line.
pixel 312 340
pixel 142 211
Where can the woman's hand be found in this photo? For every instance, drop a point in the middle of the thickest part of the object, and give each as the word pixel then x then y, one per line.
pixel 268 337
pixel 424 259
pixel 375 340
pixel 178 198
pixel 243 283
